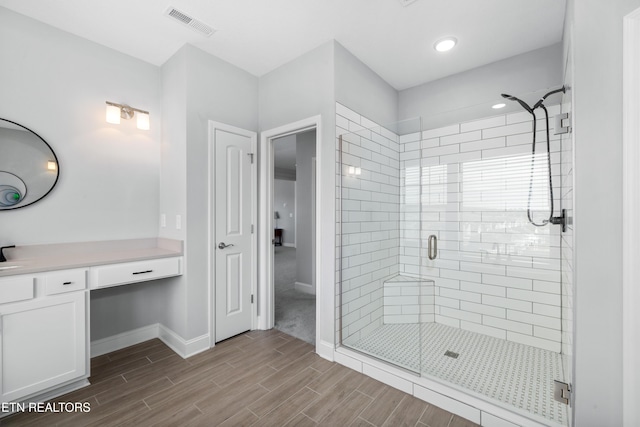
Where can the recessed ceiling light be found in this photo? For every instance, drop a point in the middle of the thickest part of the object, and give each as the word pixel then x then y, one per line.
pixel 498 106
pixel 445 44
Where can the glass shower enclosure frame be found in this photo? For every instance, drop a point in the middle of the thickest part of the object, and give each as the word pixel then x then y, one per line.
pixel 440 273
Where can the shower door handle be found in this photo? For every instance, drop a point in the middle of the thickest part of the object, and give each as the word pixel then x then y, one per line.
pixel 432 248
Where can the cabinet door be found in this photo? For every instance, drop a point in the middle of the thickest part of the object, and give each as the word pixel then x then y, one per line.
pixel 42 344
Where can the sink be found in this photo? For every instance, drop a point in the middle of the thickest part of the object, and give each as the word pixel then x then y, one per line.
pixel 8 267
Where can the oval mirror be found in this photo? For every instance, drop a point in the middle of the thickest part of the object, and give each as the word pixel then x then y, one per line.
pixel 28 166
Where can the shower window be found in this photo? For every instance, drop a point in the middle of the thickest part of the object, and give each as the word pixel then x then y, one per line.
pixel 503 183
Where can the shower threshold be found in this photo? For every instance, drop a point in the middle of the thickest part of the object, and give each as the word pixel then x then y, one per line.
pixel 511 373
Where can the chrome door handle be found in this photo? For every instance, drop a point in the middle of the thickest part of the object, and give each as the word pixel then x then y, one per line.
pixel 222 245
pixel 432 249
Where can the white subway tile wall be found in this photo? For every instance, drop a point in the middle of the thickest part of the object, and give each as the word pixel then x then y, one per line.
pixel 408 300
pixel 369 223
pixel 495 273
pixel 467 184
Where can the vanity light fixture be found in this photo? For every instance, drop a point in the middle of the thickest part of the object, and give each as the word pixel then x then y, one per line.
pixel 117 111
pixel 51 165
pixel 143 121
pixel 354 170
pixel 445 44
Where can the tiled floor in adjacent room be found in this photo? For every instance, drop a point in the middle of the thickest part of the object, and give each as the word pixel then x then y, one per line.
pixel 512 373
pixel 260 378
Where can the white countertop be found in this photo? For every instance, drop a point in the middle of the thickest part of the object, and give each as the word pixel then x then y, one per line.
pixel 41 258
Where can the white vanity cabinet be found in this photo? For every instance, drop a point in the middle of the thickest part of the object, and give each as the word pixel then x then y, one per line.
pixel 44 322
pixel 43 332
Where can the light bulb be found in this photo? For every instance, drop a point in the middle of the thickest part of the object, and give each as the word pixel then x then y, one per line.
pixel 113 114
pixel 143 121
pixel 446 44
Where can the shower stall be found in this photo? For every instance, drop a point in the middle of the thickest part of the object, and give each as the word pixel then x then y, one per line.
pixel 441 271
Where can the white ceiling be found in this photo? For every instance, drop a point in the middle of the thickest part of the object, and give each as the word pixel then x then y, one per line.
pixel 260 35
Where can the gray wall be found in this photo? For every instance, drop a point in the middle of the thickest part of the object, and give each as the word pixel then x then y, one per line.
pixel 173 178
pixel 361 89
pixel 470 94
pixel 305 152
pixel 56 84
pixel 597 50
pixel 297 90
pixel 284 202
pixel 219 91
pixel 214 90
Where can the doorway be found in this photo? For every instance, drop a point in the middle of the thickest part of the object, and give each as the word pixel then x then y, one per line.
pixel 294 238
pixel 266 291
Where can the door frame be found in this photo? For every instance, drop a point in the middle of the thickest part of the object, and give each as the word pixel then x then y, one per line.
pixel 211 217
pixel 630 223
pixel 265 283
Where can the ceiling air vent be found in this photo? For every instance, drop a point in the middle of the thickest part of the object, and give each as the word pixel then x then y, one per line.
pixel 190 22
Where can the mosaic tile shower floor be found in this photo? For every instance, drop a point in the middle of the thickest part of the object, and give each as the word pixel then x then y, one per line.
pixel 512 373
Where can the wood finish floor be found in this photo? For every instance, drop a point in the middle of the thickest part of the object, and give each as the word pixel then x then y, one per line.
pixel 260 378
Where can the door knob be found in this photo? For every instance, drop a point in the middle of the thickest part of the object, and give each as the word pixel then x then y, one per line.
pixel 222 245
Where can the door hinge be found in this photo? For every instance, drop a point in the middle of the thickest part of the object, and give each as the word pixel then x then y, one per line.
pixel 251 228
pixel 561 392
pixel 250 156
pixel 563 124
pixel 251 298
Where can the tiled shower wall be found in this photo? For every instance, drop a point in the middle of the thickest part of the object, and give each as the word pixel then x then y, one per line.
pixel 468 183
pixel 369 220
pixel 495 273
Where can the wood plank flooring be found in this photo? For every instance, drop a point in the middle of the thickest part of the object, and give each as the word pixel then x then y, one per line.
pixel 260 378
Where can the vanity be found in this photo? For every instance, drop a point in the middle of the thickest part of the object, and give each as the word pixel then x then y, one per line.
pixel 44 307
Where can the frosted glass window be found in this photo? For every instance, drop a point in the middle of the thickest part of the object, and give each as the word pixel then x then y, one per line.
pixel 434 182
pixel 412 185
pixel 503 183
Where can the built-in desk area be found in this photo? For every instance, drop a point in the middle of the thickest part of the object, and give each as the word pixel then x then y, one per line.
pixel 44 307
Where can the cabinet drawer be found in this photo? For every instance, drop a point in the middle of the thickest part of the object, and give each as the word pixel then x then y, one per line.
pixel 132 272
pixel 16 288
pixel 59 282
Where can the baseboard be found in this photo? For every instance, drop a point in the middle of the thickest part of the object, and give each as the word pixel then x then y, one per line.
pixel 124 339
pixel 305 287
pixel 289 245
pixel 184 348
pixel 325 350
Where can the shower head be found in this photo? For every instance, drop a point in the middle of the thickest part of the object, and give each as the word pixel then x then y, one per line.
pixel 519 101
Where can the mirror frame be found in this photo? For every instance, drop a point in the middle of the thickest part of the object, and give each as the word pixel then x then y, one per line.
pixel 54 157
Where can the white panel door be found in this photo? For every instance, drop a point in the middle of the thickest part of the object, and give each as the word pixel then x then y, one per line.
pixel 233 242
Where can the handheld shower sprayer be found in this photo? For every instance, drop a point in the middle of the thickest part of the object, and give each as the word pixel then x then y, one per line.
pixel 560 220
pixel 519 101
